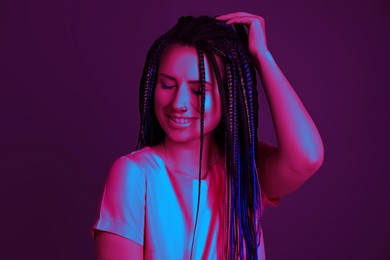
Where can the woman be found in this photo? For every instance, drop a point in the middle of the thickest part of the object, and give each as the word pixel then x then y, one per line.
pixel 198 182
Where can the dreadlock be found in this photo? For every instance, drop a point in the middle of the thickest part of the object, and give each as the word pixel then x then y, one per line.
pixel 236 133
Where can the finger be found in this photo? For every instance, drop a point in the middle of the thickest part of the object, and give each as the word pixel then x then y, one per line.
pixel 241 20
pixel 247 21
pixel 231 15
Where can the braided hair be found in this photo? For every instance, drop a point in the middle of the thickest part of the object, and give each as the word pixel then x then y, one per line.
pixel 236 133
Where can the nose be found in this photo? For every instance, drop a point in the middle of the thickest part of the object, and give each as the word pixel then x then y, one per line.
pixel 181 99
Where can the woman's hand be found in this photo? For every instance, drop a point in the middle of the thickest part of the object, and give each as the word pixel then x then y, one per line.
pixel 257 43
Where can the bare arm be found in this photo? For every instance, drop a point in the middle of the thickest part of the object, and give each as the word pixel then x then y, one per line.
pixel 300 150
pixel 111 246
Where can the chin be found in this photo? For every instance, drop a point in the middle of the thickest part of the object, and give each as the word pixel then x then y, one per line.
pixel 182 138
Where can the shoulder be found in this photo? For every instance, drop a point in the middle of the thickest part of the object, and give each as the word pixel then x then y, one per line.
pixel 127 176
pixel 136 160
pixel 130 168
pixel 139 156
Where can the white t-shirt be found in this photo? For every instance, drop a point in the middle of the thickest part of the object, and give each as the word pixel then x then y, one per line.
pixel 148 204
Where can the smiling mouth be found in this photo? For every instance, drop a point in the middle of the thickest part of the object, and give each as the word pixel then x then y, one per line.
pixel 182 120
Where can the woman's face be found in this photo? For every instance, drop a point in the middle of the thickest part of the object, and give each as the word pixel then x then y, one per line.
pixel 177 95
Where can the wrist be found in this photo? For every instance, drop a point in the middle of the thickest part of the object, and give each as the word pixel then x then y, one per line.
pixel 261 58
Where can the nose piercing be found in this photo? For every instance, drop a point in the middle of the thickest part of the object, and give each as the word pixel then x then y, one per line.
pixel 184 108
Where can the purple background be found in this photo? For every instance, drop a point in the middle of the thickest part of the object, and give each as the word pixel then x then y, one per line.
pixel 69 106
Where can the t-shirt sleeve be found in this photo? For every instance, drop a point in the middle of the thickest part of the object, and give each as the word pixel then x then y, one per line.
pixel 122 209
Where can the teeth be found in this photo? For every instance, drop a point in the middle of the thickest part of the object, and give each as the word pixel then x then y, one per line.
pixel 181 120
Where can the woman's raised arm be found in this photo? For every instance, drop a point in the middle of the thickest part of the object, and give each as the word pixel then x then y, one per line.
pixel 300 150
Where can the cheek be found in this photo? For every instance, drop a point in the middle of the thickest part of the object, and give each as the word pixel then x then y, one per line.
pixel 213 106
pixel 160 100
pixel 158 106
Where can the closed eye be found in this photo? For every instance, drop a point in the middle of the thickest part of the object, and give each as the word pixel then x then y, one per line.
pixel 166 86
pixel 198 92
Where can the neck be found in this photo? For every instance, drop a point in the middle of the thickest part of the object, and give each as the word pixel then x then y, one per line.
pixel 183 158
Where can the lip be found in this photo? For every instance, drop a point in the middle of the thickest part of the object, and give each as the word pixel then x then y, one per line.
pixel 180 117
pixel 185 123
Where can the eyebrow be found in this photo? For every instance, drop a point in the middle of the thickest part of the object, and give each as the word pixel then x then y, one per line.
pixel 191 81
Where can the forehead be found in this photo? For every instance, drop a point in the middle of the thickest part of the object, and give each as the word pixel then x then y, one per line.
pixel 181 62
